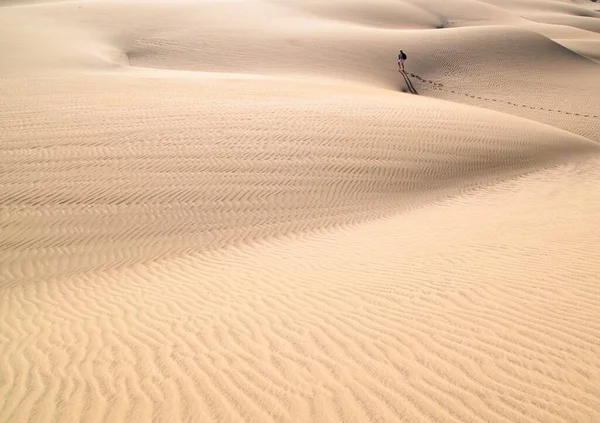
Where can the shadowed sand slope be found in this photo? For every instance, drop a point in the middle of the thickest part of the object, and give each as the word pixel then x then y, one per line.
pixel 157 171
pixel 240 211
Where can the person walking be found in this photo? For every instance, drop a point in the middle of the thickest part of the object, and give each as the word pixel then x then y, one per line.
pixel 401 59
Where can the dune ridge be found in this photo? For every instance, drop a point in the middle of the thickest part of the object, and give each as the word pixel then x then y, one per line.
pixel 242 211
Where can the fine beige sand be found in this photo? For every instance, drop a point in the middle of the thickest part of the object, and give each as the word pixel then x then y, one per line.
pixel 240 211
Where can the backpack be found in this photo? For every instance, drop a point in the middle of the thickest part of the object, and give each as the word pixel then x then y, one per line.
pixel 403 56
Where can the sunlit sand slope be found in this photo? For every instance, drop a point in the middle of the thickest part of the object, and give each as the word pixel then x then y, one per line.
pixel 480 308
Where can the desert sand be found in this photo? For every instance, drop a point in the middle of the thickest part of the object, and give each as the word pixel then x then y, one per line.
pixel 241 211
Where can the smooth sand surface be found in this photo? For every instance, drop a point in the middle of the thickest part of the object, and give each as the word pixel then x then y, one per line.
pixel 240 211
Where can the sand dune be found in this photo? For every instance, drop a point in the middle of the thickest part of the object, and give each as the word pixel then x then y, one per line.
pixel 168 172
pixel 241 211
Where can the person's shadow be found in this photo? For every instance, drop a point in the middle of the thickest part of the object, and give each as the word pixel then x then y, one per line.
pixel 409 84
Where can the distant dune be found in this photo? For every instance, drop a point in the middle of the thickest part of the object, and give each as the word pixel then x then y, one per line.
pixel 241 211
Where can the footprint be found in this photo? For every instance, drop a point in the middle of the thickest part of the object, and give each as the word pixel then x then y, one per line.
pixel 439 86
